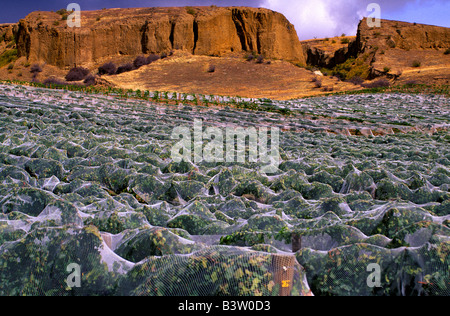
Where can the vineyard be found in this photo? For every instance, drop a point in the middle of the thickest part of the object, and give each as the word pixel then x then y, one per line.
pixel 87 178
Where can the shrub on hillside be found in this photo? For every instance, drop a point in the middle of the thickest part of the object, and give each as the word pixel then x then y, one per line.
pixel 250 57
pixel 89 80
pixel 416 64
pixel 411 82
pixel 125 68
pixel 35 69
pixel 107 69
pixel 380 83
pixel 152 58
pixel 140 61
pixel 356 80
pixel 61 12
pixel 54 81
pixel 352 67
pixel 77 74
pixel 318 83
pixel 191 11
pixel 8 57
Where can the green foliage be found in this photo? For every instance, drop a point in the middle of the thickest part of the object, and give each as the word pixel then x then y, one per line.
pixel 243 238
pixel 352 68
pixel 349 118
pixel 8 57
pixel 191 11
pixel 47 252
pixel 140 244
pixel 62 12
pixel 114 222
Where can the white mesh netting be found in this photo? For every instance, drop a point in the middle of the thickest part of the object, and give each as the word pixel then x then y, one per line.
pixel 89 194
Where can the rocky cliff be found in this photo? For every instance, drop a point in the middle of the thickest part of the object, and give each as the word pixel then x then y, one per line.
pixel 391 50
pixel 401 48
pixel 45 36
pixel 402 35
pixel 327 53
pixel 7 31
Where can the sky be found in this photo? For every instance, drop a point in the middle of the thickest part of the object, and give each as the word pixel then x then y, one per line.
pixel 311 18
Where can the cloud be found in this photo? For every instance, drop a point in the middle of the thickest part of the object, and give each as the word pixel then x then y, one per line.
pixel 320 18
pixel 327 18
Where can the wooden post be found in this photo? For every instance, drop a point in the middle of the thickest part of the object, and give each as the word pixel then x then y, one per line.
pixel 296 242
pixel 283 267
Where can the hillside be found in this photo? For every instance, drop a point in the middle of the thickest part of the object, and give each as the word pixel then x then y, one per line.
pixel 233 76
pixel 414 52
pixel 400 51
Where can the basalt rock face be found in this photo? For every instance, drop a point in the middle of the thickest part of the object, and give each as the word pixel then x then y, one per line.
pixel 402 35
pixel 7 30
pixel 45 36
pixel 375 41
pixel 321 58
pixel 393 48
